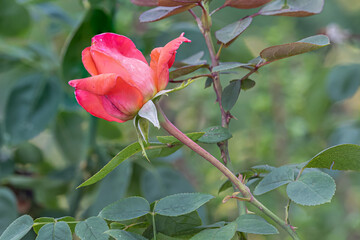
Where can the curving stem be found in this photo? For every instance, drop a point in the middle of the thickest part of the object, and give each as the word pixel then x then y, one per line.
pixel 244 190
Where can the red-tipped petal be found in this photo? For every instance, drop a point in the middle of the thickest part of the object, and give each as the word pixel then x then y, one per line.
pixel 163 58
pixel 88 62
pixel 119 59
pixel 93 104
pixel 100 84
pixel 113 45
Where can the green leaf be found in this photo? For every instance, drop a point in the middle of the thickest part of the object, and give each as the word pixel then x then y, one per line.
pixel 40 222
pixel 194 59
pixel 250 223
pixel 180 204
pixel 313 188
pixel 70 135
pixel 163 181
pixel 123 235
pixel 247 84
pixel 291 49
pixel 293 8
pixel 158 13
pixel 95 21
pixel 8 208
pixel 92 228
pixel 228 65
pixel 32 104
pixel 276 178
pixel 208 82
pixel 229 33
pixel 118 179
pixel 224 233
pixel 119 158
pixel 185 70
pixel 17 229
pixel 10 22
pixel 55 231
pixel 180 225
pixel 230 95
pixel 126 209
pixel 149 112
pixel 167 91
pixel 70 221
pixel 225 186
pixel 215 134
pixel 172 140
pixel 28 153
pixel 343 81
pixel 340 157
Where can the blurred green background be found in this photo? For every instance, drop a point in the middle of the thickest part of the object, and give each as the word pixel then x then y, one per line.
pixel 299 106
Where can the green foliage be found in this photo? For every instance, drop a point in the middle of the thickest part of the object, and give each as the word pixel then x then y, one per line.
pixel 180 204
pixel 343 81
pixel 32 104
pixel 126 209
pixel 311 189
pixel 92 228
pixel 226 233
pixel 229 33
pixel 215 134
pixel 291 49
pixel 17 229
pixel 123 235
pixel 250 223
pixel 54 231
pixel 8 209
pixel 340 157
pixel 119 158
pixel 293 8
pixel 95 21
pixel 276 178
pixel 231 94
pixel 10 22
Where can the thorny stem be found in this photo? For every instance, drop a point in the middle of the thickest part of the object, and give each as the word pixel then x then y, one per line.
pixel 244 190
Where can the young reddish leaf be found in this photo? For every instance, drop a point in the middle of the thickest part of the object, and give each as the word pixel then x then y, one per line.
pixel 291 49
pixel 229 33
pixel 159 13
pixel 172 3
pixel 293 8
pixel 185 70
pixel 246 4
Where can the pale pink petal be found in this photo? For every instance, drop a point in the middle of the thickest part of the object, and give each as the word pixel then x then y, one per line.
pixel 162 59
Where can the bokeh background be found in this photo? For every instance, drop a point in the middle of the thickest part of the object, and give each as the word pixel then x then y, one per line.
pixel 299 106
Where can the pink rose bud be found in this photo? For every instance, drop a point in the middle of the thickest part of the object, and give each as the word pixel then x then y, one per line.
pixel 122 81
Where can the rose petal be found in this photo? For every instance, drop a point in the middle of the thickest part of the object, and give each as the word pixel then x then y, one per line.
pixel 93 104
pixel 129 66
pixel 89 62
pixel 113 45
pixel 99 84
pixel 162 59
pixel 126 98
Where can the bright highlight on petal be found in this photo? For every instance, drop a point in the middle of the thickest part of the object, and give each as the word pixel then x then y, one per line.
pixel 122 81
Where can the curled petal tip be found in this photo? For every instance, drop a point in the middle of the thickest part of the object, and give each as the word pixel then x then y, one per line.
pixel 184 39
pixel 72 83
